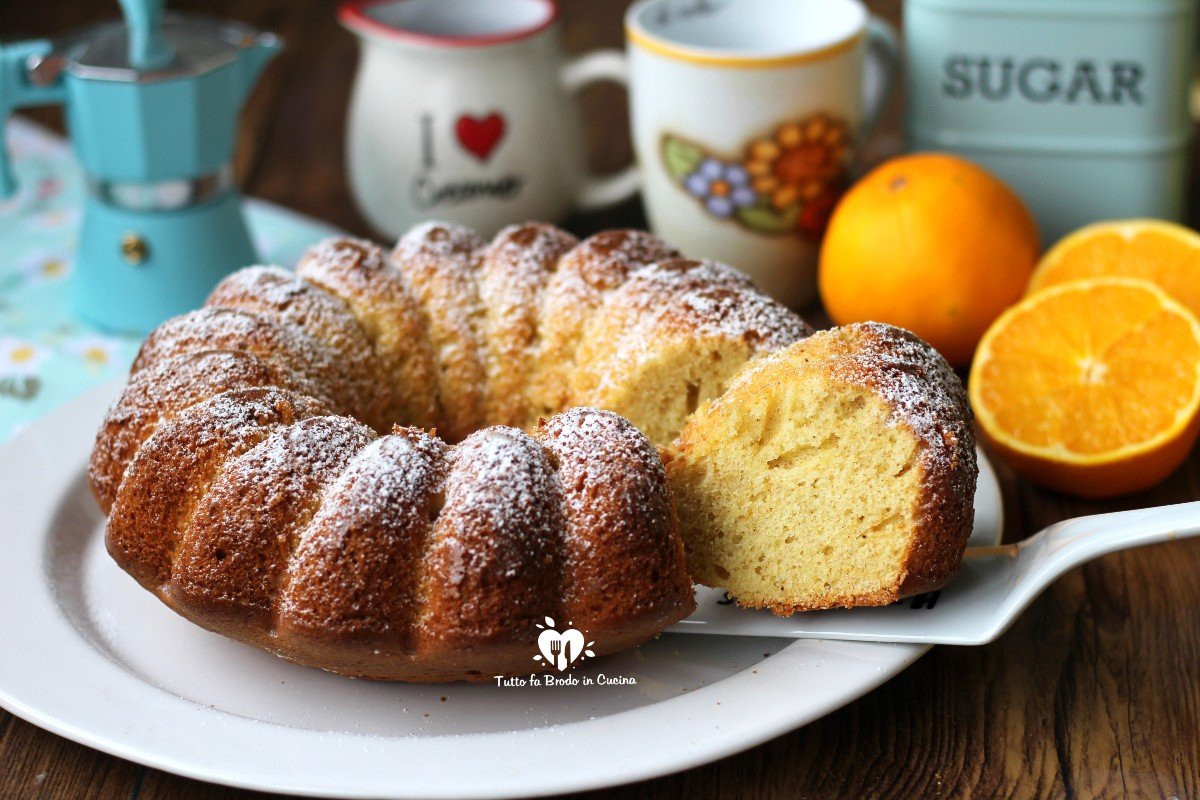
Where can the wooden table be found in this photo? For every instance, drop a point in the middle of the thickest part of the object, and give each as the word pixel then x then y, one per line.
pixel 1095 692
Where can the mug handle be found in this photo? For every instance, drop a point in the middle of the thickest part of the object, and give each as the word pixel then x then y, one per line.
pixel 599 191
pixel 883 46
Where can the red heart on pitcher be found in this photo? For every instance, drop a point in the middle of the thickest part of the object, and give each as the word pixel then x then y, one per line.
pixel 479 137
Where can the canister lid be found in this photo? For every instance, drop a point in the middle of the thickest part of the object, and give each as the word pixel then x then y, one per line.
pixel 199 45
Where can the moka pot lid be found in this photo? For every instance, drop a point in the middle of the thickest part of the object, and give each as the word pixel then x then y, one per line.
pixel 198 44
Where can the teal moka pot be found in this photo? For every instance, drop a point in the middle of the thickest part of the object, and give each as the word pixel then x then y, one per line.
pixel 152 105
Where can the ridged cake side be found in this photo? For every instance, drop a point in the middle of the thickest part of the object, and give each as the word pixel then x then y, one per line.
pixel 400 557
pixel 514 269
pixel 584 276
pixel 360 274
pixel 292 302
pixel 438 261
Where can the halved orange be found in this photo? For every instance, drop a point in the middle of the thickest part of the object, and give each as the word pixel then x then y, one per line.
pixel 1091 387
pixel 1166 254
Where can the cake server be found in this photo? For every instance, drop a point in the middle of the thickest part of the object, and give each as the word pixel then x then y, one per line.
pixel 996 583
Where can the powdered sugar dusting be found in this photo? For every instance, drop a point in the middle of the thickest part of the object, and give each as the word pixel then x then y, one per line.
pixel 604 261
pixel 513 272
pixel 521 504
pixel 439 261
pixel 290 457
pixel 277 292
pixel 163 390
pixel 711 297
pixel 345 254
pixel 279 295
pixel 224 415
pixel 226 329
pixel 913 379
pixel 619 521
pixel 597 448
pixel 358 565
pixel 441 242
pixel 392 476
pixel 247 526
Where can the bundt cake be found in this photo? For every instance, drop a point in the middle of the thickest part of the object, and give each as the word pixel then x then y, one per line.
pixel 247 485
pixel 331 464
pixel 849 482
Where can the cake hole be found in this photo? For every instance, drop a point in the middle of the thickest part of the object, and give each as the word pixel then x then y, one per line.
pixel 219 554
pixel 722 573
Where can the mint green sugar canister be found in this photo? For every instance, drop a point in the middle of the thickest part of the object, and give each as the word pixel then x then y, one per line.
pixel 1080 105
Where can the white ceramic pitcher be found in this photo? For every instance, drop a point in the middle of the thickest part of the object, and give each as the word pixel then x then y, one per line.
pixel 463 110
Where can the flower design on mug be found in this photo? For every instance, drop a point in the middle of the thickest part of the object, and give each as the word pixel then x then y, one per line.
pixel 798 161
pixel 786 183
pixel 722 187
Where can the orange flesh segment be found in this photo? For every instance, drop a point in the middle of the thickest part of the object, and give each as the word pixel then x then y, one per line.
pixel 1101 367
pixel 1166 255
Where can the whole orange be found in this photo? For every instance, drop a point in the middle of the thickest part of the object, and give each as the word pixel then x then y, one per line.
pixel 930 242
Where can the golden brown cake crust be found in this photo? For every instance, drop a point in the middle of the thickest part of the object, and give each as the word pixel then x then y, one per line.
pixel 438 259
pixel 235 330
pixel 282 297
pixel 359 273
pixel 513 271
pixel 927 398
pixel 357 569
pixel 616 502
pixel 177 464
pixel 161 392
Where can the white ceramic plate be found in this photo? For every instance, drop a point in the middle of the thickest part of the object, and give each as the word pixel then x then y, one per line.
pixel 87 654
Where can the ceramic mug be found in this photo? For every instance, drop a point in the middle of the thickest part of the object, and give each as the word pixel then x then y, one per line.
pixel 746 116
pixel 462 110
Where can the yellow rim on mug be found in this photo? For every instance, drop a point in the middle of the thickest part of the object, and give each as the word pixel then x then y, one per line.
pixel 712 58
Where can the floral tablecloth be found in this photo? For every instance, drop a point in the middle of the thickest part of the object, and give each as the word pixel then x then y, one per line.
pixel 46 355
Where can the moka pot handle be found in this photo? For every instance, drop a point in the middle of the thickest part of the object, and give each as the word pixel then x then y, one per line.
pixel 20 87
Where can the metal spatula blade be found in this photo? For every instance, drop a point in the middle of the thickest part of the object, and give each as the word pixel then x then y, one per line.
pixel 993 587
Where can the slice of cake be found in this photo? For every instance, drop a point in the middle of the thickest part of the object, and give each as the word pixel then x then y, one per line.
pixel 839 471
